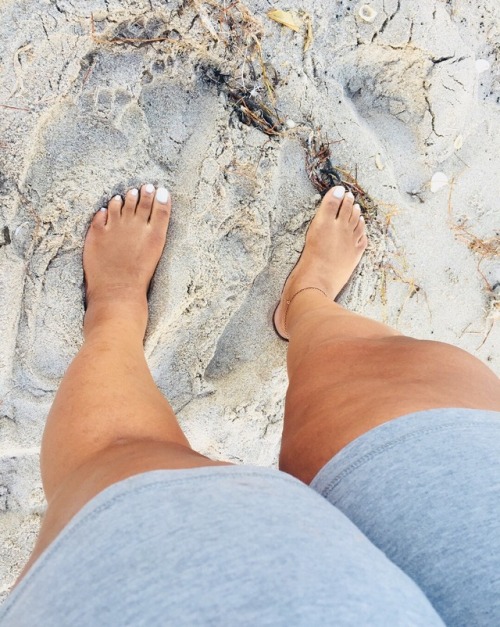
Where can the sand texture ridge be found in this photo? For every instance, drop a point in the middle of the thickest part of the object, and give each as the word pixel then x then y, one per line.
pixel 228 108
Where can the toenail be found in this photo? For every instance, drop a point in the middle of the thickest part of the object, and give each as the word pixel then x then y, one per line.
pixel 117 197
pixel 361 218
pixel 350 195
pixel 162 195
pixel 356 206
pixel 134 191
pixel 103 209
pixel 339 191
pixel 150 188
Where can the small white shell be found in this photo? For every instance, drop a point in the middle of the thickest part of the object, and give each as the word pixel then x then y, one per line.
pixel 290 124
pixel 438 180
pixel 459 142
pixel 482 65
pixel 378 162
pixel 367 13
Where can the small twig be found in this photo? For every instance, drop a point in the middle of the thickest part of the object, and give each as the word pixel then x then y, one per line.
pixel 15 108
pixel 87 74
pixel 265 79
pixel 233 4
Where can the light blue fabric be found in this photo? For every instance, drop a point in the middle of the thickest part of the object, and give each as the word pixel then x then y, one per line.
pixel 425 489
pixel 222 546
pixel 249 546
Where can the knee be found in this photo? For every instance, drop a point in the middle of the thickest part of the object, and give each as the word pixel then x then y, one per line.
pixel 339 359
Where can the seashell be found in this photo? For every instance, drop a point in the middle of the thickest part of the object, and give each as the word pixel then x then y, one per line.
pixel 290 124
pixel 438 180
pixel 378 162
pixel 459 142
pixel 367 13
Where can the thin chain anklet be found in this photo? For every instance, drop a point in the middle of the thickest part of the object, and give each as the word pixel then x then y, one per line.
pixel 296 294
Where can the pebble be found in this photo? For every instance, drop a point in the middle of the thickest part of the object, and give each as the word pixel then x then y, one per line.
pixel 459 142
pixel 482 65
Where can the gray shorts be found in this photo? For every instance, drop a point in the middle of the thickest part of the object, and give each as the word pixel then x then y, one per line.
pixel 402 527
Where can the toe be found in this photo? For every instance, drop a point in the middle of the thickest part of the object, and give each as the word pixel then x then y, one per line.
pixel 354 220
pixel 146 201
pixel 100 218
pixel 345 210
pixel 114 209
pixel 160 215
pixel 363 241
pixel 360 228
pixel 332 201
pixel 131 198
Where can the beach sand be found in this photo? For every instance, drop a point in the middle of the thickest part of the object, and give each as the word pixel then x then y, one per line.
pixel 223 105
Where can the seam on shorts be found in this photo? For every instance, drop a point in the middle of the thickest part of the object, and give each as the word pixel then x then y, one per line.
pixel 68 533
pixel 332 484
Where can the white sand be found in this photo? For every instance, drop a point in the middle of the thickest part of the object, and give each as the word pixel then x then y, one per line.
pixel 400 94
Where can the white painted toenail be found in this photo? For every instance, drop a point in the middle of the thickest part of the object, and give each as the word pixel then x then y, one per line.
pixel 350 195
pixel 103 209
pixel 361 218
pixel 150 188
pixel 134 192
pixel 117 197
pixel 162 195
pixel 356 206
pixel 339 191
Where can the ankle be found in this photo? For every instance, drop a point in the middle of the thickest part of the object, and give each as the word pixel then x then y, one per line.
pixel 303 306
pixel 304 313
pixel 127 316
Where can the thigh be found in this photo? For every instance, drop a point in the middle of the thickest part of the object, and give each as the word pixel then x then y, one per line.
pixel 425 488
pixel 347 387
pixel 214 546
pixel 109 466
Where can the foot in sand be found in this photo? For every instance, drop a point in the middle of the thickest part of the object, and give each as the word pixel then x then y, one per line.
pixel 335 242
pixel 122 249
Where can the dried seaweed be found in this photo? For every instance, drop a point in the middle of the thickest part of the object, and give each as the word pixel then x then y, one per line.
pixel 489 247
pixel 254 112
pixel 323 175
pixel 250 107
pixel 485 248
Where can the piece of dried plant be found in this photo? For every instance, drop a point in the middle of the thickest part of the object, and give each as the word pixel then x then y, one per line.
pixel 309 38
pixel 286 18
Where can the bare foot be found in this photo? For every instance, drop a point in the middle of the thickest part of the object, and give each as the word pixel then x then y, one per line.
pixel 335 242
pixel 122 249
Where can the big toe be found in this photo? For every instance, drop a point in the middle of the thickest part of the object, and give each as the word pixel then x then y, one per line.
pixel 332 202
pixel 337 204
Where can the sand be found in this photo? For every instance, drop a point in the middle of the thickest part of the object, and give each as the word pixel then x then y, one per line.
pixel 85 114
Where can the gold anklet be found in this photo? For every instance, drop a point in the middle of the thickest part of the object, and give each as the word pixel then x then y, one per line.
pixel 296 294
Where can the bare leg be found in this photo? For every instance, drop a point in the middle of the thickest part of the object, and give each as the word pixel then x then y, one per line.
pixel 349 374
pixel 109 420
